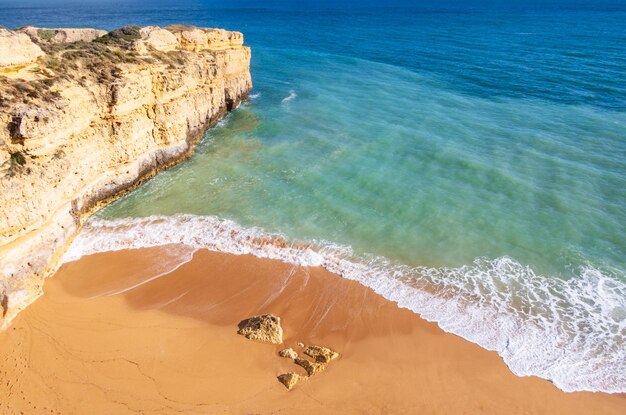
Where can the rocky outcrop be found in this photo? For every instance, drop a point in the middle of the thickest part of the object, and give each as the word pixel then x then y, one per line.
pixel 16 49
pixel 157 38
pixel 61 35
pixel 93 120
pixel 194 39
pixel 265 328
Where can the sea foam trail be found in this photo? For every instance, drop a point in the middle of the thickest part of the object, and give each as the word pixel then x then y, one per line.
pixel 571 332
pixel 292 95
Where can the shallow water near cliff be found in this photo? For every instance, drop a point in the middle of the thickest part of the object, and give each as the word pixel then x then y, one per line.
pixel 469 166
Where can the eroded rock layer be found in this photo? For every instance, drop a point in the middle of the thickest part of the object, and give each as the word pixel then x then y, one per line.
pixel 87 120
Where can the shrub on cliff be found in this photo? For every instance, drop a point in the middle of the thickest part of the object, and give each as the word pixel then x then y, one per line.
pixel 46 34
pixel 13 92
pixel 121 36
pixel 17 159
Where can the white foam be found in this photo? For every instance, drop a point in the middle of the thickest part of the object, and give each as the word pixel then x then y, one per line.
pixel 572 332
pixel 223 121
pixel 292 95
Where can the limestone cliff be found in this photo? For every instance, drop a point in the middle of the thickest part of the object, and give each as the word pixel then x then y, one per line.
pixel 81 122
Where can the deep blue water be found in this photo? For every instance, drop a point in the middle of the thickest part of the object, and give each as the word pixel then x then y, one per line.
pixel 572 57
pixel 476 147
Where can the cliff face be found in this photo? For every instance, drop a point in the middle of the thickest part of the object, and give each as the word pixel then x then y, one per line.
pixel 89 120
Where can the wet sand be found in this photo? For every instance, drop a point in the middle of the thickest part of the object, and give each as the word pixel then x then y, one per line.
pixel 91 345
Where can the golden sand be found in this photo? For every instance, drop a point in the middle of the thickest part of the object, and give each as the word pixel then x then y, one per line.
pixel 170 345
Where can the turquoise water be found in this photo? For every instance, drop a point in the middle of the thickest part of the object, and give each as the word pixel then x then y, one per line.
pixel 477 155
pixel 394 163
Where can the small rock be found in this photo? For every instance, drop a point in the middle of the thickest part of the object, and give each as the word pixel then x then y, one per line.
pixel 321 354
pixel 264 328
pixel 300 344
pixel 310 367
pixel 290 353
pixel 289 379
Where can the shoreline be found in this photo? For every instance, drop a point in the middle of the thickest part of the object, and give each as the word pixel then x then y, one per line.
pixel 170 343
pixel 442 295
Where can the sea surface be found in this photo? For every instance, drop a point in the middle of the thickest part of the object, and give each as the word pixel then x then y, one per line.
pixel 465 161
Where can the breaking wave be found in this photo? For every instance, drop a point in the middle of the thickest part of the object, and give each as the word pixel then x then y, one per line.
pixel 569 331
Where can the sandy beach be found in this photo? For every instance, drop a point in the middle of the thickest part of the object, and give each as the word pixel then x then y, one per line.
pixel 103 340
pixel 327 207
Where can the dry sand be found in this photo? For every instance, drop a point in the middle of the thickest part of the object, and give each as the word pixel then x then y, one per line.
pixel 170 346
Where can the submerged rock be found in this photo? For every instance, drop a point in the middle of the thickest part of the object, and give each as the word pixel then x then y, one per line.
pixel 289 353
pixel 289 379
pixel 321 354
pixel 264 328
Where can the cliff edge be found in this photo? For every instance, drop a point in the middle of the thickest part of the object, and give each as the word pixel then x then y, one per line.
pixel 86 115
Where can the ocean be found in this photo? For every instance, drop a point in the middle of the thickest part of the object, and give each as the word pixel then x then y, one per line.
pixel 467 162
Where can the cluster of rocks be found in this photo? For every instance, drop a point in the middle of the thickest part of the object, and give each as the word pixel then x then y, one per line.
pixel 266 328
pixel 321 356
